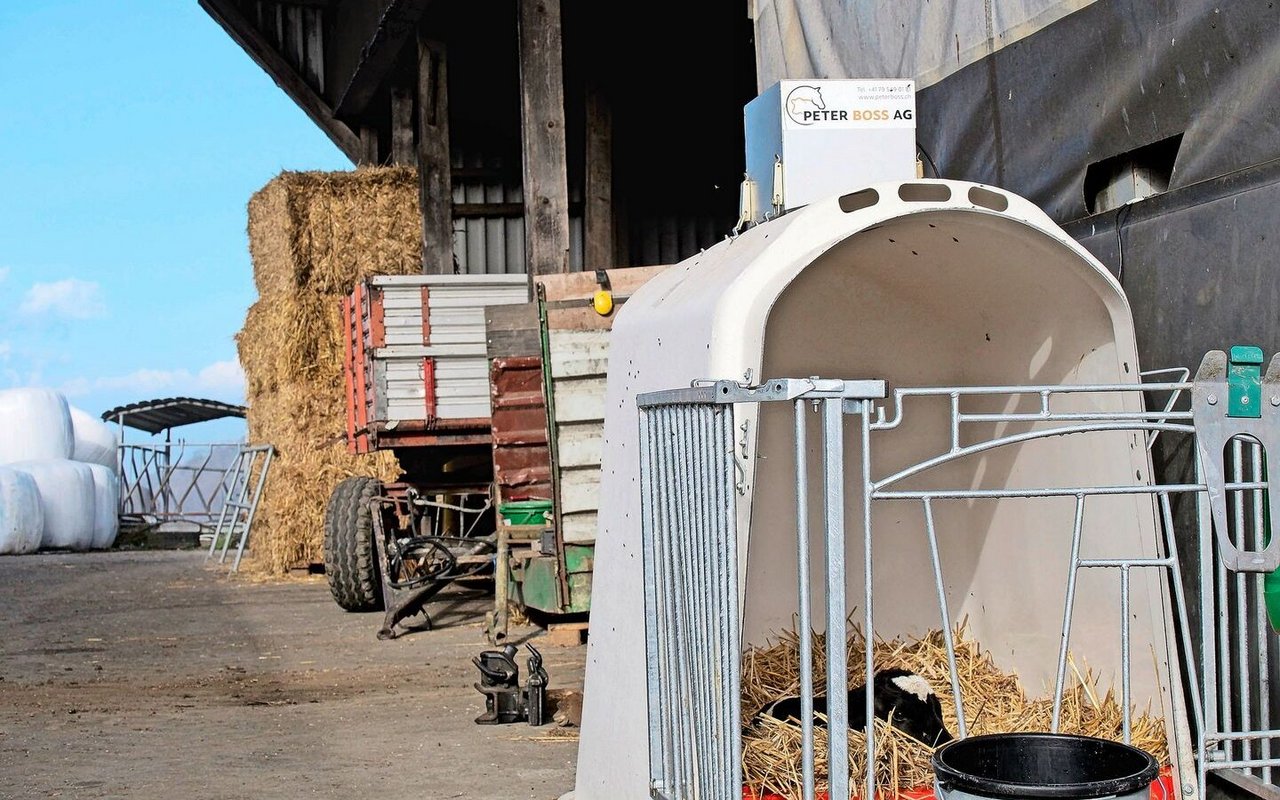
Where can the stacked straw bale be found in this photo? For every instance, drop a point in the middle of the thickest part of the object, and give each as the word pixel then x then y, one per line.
pixel 994 702
pixel 312 237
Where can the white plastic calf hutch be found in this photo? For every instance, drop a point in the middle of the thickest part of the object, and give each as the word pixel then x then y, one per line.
pixel 914 284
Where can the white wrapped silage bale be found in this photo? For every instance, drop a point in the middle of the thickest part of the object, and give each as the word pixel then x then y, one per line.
pixel 67 499
pixel 21 515
pixel 106 501
pixel 94 440
pixel 35 424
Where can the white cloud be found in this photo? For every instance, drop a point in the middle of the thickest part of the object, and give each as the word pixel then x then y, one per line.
pixel 70 297
pixel 221 378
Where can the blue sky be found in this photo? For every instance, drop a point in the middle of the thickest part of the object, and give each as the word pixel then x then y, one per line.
pixel 132 135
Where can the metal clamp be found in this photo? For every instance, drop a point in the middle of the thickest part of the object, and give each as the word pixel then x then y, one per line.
pixel 1230 398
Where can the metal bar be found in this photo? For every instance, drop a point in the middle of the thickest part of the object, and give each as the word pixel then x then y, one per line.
pixel 837 666
pixel 1018 438
pixel 901 394
pixel 1124 563
pixel 1242 614
pixel 725 493
pixel 257 496
pixel 802 586
pixel 231 471
pixel 1184 627
pixel 1065 491
pixel 1126 667
pixel 684 743
pixel 1260 621
pixel 672 761
pixel 1238 736
pixel 1209 720
pixel 648 501
pixel 867 560
pixel 945 612
pixel 244 470
pixel 720 607
pixel 1060 680
pixel 695 576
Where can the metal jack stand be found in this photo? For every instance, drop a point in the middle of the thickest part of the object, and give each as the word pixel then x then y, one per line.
pixel 504 701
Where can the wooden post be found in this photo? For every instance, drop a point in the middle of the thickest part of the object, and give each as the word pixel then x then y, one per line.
pixel 435 187
pixel 402 126
pixel 546 190
pixel 598 238
pixel 368 146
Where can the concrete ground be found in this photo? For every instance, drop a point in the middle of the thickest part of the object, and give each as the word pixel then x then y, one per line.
pixel 145 674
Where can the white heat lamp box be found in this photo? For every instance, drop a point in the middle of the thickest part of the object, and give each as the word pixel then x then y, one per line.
pixel 809 139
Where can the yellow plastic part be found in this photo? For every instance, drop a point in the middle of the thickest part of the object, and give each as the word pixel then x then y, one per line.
pixel 603 302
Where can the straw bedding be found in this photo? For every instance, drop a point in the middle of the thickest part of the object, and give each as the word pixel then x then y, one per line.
pixel 312 237
pixel 994 702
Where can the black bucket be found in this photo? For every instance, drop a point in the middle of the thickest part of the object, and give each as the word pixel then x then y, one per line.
pixel 1018 765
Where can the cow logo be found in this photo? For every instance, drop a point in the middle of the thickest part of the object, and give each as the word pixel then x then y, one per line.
pixel 804 103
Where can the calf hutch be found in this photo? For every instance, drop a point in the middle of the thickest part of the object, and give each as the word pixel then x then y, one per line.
pixel 930 392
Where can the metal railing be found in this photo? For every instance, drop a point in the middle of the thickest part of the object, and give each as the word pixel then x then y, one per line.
pixel 693 613
pixel 242 490
pixel 176 481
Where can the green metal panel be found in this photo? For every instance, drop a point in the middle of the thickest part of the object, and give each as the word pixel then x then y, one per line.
pixel 535 582
pixel 1244 382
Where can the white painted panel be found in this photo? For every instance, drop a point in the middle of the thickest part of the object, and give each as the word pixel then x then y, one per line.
pixel 579 490
pixel 579 353
pixel 580 400
pixel 579 528
pixel 580 444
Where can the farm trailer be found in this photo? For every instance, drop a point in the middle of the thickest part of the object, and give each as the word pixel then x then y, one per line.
pixel 455 374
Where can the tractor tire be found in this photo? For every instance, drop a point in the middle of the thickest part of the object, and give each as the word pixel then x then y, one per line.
pixel 350 557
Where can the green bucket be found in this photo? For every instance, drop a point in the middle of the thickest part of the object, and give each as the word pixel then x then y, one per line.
pixel 525 512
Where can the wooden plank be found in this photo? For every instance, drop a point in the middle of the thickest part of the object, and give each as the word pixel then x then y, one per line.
pixel 402 151
pixel 581 527
pixel 368 146
pixel 580 444
pixel 293 38
pixel 598 244
pixel 580 400
pixel 512 331
pixel 582 285
pixel 267 57
pixel 435 190
pixel 579 490
pixel 546 190
pixel 577 354
pixel 396 28
pixel 313 47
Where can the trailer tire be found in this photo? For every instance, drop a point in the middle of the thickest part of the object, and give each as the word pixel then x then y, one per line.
pixel 350 557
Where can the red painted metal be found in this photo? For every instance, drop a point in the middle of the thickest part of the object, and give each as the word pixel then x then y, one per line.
pixel 426 315
pixel 362 370
pixel 521 457
pixel 429 386
pixel 348 371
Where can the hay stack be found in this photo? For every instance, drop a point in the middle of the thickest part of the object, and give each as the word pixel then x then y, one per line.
pixel 994 702
pixel 312 237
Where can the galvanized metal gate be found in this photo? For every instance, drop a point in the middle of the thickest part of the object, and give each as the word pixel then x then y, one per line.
pixel 692 595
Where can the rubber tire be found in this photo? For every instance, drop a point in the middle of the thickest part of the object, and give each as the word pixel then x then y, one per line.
pixel 350 558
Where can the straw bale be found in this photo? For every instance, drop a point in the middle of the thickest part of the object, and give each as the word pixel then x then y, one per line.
pixel 312 237
pixel 994 702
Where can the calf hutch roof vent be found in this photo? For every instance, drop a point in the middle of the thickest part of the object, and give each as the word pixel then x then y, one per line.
pixel 917 283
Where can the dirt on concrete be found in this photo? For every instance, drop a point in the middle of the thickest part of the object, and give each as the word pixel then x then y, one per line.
pixel 146 674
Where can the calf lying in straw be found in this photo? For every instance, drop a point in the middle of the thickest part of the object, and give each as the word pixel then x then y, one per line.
pixel 902 698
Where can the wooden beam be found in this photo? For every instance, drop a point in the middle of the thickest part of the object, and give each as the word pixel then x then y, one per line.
pixel 313 50
pixel 402 126
pixel 435 186
pixel 546 191
pixel 225 13
pixel 598 240
pixel 368 146
pixel 378 56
